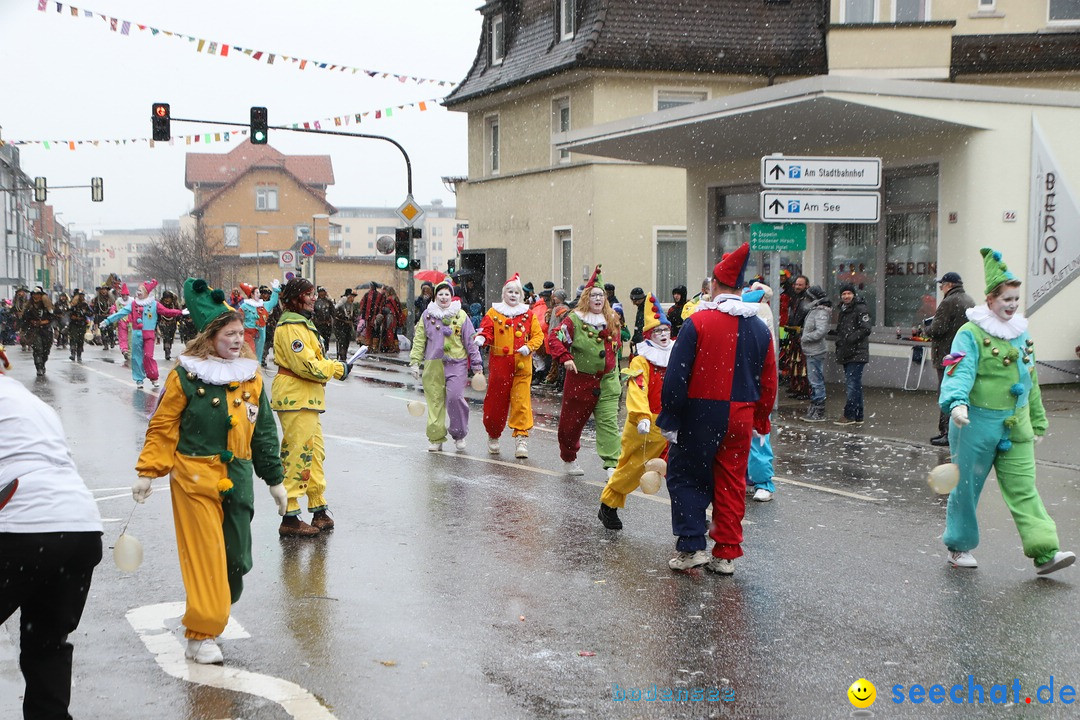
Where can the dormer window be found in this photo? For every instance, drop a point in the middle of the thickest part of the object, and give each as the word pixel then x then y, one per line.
pixel 566 19
pixel 498 39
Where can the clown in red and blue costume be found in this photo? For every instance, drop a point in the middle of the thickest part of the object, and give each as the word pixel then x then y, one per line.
pixel 719 388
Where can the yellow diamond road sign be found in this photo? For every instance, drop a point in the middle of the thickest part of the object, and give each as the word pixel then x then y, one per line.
pixel 409 211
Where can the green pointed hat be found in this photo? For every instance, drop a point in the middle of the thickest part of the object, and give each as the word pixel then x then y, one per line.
pixel 995 269
pixel 596 280
pixel 203 303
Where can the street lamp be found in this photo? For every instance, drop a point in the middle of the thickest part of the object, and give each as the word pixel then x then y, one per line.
pixel 314 239
pixel 258 256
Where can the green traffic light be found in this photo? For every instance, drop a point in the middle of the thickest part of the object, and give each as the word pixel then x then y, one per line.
pixel 260 137
pixel 403 263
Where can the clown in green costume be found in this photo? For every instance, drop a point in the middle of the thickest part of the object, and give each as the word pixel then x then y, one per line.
pixel 991 391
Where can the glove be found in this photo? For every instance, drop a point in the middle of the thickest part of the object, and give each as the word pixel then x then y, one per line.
pixel 104 323
pixel 1039 439
pixel 672 436
pixel 280 497
pixel 643 427
pixel 348 369
pixel 415 370
pixel 524 350
pixel 960 415
pixel 141 489
pixel 275 284
pixel 479 340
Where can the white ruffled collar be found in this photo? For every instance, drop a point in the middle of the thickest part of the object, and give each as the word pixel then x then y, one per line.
pixel 218 371
pixel 437 312
pixel 597 320
pixel 504 309
pixel 982 316
pixel 730 304
pixel 655 354
pixel 143 303
pixel 254 302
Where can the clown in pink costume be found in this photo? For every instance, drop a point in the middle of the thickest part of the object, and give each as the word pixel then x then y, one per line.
pixel 143 312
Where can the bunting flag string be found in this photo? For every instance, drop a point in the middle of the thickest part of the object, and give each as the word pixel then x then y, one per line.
pixel 221 49
pixel 227 136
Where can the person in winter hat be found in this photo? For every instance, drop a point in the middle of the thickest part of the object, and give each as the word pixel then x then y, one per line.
pixel 759 468
pixel 991 392
pixel 814 330
pixel 143 313
pixel 852 351
pixel 512 334
pixel 950 316
pixel 587 343
pixel 641 439
pixel 443 354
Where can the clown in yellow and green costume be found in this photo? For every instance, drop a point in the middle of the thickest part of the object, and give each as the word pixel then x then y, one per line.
pixel 991 391
pixel 211 430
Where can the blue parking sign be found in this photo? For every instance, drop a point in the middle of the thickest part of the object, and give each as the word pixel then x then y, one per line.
pixel 793 206
pixel 794 171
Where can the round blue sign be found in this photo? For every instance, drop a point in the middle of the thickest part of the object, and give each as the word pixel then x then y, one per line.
pixel 307 249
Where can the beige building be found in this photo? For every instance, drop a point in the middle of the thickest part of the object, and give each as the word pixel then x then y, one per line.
pixel 117 251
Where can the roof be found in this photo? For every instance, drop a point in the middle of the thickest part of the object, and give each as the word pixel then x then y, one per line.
pixel 1015 53
pixel 754 37
pixel 222 169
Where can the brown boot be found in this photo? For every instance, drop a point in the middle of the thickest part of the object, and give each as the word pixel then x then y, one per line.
pixel 293 526
pixel 322 521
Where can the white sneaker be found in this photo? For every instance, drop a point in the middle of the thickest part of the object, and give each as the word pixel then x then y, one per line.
pixel 204 652
pixel 521 450
pixel 139 384
pixel 493 445
pixel 572 468
pixel 720 566
pixel 154 384
pixel 434 447
pixel 459 444
pixel 610 472
pixel 687 560
pixel 963 559
pixel 1061 559
pixel 762 495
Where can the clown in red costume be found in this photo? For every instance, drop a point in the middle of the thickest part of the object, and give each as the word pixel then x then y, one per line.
pixel 513 334
pixel 720 387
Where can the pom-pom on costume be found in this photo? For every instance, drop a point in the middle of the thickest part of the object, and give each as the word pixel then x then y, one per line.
pixel 506 329
pixel 212 427
pixel 719 387
pixel 143 314
pixel 443 344
pixel 992 372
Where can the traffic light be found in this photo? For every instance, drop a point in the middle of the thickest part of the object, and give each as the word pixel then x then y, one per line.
pixel 41 189
pixel 402 248
pixel 258 126
pixel 159 121
pixel 451 266
pixel 97 189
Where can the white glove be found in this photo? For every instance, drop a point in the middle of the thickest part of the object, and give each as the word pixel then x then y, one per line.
pixel 275 284
pixel 643 427
pixel 141 489
pixel 415 370
pixel 672 436
pixel 960 416
pixel 524 350
pixel 280 497
pixel 479 340
pixel 1039 439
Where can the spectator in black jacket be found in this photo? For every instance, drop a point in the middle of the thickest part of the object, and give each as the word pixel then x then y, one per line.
pixel 674 313
pixel 852 351
pixel 951 314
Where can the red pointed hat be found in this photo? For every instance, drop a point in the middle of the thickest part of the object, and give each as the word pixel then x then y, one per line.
pixel 514 279
pixel 595 279
pixel 248 289
pixel 729 271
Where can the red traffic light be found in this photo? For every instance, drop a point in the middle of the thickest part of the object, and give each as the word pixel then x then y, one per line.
pixel 159 121
pixel 161 110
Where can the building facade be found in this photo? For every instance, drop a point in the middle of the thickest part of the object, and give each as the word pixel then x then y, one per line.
pixel 22 254
pixel 117 252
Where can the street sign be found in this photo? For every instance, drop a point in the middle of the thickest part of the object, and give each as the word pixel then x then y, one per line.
pixel 782 237
pixel 409 211
pixel 778 171
pixel 287 258
pixel 289 275
pixel 307 249
pixel 820 207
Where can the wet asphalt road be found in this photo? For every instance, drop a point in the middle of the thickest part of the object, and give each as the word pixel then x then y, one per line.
pixel 466 586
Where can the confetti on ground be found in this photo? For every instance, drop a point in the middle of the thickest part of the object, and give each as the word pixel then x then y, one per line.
pixel 389 663
pixel 586 653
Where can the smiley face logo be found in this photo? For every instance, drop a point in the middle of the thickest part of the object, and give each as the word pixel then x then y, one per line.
pixel 862 693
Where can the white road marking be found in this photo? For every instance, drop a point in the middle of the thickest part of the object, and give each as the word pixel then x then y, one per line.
pixel 361 441
pixel 820 488
pixel 149 622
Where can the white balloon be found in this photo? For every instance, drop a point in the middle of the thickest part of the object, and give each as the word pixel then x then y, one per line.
pixel 657 465
pixel 479 383
pixel 416 409
pixel 650 482
pixel 944 478
pixel 127 553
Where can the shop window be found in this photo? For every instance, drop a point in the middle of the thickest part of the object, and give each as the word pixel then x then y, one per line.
pixel 1065 11
pixel 852 258
pixel 670 262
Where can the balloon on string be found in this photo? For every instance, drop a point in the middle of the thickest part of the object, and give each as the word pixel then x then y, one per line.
pixel 479 383
pixel 416 408
pixel 658 466
pixel 650 482
pixel 944 478
pixel 127 553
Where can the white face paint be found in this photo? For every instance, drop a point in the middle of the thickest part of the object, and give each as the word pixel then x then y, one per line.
pixel 1005 304
pixel 229 340
pixel 511 295
pixel 661 336
pixel 141 293
pixel 443 298
pixel 596 301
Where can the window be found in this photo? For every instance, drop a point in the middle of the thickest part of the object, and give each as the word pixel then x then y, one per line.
pixel 497 39
pixel 266 198
pixel 565 12
pixel 564 252
pixel 859 11
pixel 674 98
pixel 491 133
pixel 133 262
pixel 670 262
pixel 987 5
pixel 912 10
pixel 1064 10
pixel 232 235
pixel 851 257
pixel 560 123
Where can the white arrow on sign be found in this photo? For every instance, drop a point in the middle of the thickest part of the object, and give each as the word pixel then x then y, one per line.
pixel 780 171
pixel 820 207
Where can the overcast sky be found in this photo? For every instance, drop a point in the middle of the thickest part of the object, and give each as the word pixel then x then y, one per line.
pixel 72 78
